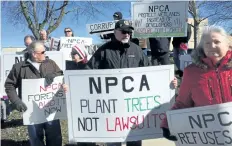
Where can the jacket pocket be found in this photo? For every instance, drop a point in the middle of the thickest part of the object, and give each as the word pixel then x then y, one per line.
pixel 210 88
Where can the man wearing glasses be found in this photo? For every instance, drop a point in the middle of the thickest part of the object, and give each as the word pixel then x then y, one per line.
pixel 119 53
pixel 35 66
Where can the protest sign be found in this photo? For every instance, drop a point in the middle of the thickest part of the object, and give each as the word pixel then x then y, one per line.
pixel 44 102
pixel 9 59
pixel 54 44
pixel 118 105
pixel 66 44
pixel 202 126
pixel 100 27
pixel 185 60
pixel 159 19
pixel 103 27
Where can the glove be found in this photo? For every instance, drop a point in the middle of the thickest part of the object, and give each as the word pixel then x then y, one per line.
pixel 166 134
pixel 19 106
pixel 49 78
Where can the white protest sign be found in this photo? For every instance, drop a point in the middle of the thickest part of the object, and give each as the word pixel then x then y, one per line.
pixel 159 18
pixel 54 44
pixel 103 27
pixel 100 27
pixel 118 105
pixel 66 44
pixel 9 59
pixel 202 126
pixel 44 102
pixel 185 60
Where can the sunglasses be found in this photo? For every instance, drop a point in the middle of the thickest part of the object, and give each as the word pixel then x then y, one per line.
pixel 68 31
pixel 40 52
pixel 126 32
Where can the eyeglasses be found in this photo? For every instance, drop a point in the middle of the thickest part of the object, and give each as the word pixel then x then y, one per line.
pixel 68 31
pixel 126 32
pixel 40 52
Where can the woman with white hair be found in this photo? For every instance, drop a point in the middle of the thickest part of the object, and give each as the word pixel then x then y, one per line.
pixel 208 80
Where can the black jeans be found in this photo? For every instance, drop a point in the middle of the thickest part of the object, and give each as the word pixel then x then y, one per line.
pixel 161 58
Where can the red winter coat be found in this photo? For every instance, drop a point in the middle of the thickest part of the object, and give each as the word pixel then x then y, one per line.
pixel 201 87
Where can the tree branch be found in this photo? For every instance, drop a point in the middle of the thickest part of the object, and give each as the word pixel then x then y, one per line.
pixel 33 3
pixel 63 6
pixel 59 19
pixel 28 18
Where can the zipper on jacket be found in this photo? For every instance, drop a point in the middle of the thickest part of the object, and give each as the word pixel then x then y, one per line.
pixel 230 84
pixel 220 85
pixel 210 89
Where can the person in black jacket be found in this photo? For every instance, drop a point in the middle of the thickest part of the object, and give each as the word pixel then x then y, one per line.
pixel 35 66
pixel 159 50
pixel 180 46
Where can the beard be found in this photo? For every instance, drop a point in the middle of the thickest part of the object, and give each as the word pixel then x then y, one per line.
pixel 124 41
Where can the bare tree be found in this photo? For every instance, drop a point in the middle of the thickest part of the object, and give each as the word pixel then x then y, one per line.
pixel 48 15
pixel 217 12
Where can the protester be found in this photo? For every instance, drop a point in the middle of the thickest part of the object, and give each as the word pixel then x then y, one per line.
pixel 35 66
pixel 208 80
pixel 120 53
pixel 159 50
pixel 68 32
pixel 180 47
pixel 45 39
pixel 28 39
pixel 116 16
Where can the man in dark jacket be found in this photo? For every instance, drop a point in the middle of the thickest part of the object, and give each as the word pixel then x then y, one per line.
pixel 119 53
pixel 35 66
pixel 180 46
pixel 159 50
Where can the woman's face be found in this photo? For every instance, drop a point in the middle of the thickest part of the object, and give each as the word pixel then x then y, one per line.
pixel 215 46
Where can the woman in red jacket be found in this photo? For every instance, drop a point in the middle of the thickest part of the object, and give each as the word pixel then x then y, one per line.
pixel 208 80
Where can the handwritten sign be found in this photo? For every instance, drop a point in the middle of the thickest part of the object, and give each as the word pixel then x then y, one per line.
pixel 118 105
pixel 54 44
pixel 202 126
pixel 159 19
pixel 9 59
pixel 44 102
pixel 66 44
pixel 185 60
pixel 103 27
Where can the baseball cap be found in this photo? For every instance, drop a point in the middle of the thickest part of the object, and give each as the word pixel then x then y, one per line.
pixel 118 15
pixel 123 25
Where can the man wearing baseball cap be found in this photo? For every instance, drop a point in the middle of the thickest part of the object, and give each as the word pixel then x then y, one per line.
pixel 119 53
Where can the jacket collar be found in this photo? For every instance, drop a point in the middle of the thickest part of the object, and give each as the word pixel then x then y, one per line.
pixel 226 61
pixel 26 63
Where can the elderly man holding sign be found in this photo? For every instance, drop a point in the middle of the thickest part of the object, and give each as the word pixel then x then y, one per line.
pixel 208 80
pixel 35 66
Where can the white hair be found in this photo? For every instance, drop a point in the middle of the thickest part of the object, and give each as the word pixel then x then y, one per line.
pixel 198 53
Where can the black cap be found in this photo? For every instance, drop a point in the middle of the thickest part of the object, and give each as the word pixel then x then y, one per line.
pixel 123 25
pixel 118 15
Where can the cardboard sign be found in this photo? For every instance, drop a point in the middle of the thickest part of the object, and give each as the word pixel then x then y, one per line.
pixel 44 102
pixel 159 19
pixel 118 105
pixel 66 44
pixel 54 44
pixel 202 126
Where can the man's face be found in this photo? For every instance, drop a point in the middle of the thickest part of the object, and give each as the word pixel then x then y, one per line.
pixel 28 41
pixel 68 32
pixel 39 53
pixel 122 35
pixel 43 35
